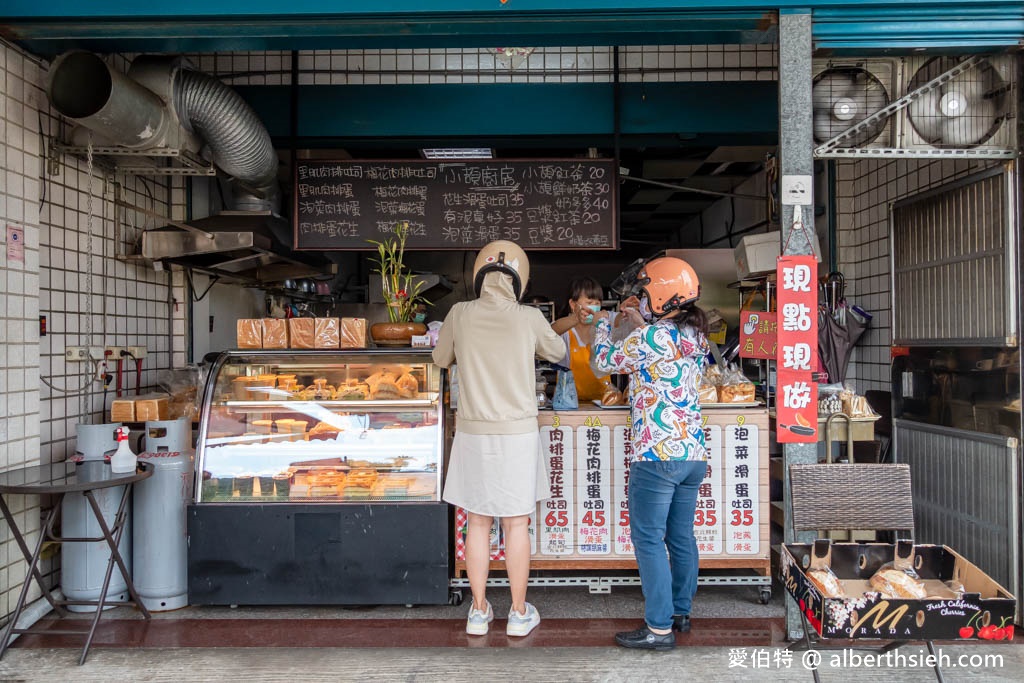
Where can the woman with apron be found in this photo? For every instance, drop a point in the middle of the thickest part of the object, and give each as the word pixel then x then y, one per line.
pixel 577 330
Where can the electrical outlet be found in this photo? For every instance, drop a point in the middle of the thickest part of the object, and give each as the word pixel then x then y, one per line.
pixel 96 352
pixel 114 352
pixel 138 351
pixel 76 354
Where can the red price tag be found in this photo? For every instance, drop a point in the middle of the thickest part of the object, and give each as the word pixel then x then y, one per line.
pixel 742 518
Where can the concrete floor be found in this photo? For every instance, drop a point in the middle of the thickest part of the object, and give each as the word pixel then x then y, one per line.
pixel 476 664
pixel 457 665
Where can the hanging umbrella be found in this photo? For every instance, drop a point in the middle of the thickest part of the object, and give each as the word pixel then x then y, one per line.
pixel 837 335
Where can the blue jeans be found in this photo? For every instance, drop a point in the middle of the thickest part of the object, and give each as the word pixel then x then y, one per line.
pixel 662 501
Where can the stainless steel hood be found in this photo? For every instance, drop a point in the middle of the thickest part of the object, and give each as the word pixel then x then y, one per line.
pixel 247 247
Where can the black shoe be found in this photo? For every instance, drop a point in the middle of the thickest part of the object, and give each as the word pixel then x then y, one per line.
pixel 681 623
pixel 645 639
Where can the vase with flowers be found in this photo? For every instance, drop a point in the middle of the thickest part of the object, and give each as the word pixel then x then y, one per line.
pixel 401 291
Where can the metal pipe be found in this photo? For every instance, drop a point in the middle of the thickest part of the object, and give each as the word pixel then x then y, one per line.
pixel 238 140
pixel 83 88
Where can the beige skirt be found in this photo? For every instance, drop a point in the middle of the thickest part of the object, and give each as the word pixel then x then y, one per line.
pixel 499 475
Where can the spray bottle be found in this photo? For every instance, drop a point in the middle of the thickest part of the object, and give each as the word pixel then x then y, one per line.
pixel 123 461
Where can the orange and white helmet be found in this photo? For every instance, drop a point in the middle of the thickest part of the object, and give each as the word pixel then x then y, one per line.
pixel 504 257
pixel 669 283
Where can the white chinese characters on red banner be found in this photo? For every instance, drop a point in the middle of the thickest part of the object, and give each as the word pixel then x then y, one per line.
pixel 797 393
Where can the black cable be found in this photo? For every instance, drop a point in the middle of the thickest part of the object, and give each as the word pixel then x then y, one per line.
pixel 42 168
pixel 732 221
pixel 192 288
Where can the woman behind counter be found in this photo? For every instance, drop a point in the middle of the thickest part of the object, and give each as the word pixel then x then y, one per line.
pixel 577 330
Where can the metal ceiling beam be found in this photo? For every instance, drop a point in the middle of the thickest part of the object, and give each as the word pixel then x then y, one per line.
pixel 232 26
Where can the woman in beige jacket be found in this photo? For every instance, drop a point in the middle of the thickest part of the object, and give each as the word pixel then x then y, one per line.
pixel 496 468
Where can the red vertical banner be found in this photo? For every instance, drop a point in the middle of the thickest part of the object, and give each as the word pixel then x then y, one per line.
pixel 796 405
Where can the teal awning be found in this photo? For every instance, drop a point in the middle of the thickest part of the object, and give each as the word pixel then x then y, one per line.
pixel 229 25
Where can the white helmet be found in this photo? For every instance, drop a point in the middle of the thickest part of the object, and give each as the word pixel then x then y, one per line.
pixel 504 257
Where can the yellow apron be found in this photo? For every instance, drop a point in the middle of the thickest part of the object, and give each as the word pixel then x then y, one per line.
pixel 588 386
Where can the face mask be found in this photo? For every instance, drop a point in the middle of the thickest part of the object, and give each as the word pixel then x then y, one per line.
pixel 645 309
pixel 595 308
pixel 419 318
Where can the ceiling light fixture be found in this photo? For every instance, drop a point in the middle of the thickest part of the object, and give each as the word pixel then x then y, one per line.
pixel 458 153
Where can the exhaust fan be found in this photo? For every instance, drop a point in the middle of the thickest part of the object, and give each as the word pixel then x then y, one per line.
pixel 946 107
pixel 967 111
pixel 843 96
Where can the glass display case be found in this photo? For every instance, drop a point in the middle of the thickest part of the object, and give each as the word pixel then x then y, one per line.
pixel 321 426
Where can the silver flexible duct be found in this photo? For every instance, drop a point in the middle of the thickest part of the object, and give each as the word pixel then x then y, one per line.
pixel 237 139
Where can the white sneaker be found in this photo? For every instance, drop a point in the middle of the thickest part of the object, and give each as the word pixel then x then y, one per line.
pixel 479 620
pixel 522 624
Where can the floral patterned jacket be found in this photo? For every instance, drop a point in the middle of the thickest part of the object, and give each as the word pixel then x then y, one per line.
pixel 664 365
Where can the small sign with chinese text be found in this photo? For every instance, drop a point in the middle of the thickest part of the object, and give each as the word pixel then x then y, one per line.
pixel 758 334
pixel 593 491
pixel 622 452
pixel 556 525
pixel 741 492
pixel 15 244
pixel 707 520
pixel 797 353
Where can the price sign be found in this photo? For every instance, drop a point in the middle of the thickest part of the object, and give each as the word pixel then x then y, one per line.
pixel 797 405
pixel 707 521
pixel 622 449
pixel 741 489
pixel 556 527
pixel 593 491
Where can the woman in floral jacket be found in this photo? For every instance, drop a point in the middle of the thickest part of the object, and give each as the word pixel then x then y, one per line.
pixel 664 357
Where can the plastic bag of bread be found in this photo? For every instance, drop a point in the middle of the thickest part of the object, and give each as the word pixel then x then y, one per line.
pixel 707 393
pixel 275 333
pixel 827 582
pixel 854 405
pixel 249 334
pixel 895 582
pixel 383 386
pixel 302 333
pixel 612 397
pixel 353 333
pixel 327 333
pixel 736 388
pixel 352 390
pixel 408 386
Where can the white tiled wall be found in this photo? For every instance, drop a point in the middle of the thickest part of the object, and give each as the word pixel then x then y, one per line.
pixel 865 190
pixel 647 63
pixel 131 304
pixel 19 305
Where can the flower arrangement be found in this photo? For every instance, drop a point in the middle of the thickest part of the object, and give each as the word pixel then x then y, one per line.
pixel 401 290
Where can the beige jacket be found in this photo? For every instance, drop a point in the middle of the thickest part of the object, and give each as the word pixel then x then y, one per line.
pixel 494 340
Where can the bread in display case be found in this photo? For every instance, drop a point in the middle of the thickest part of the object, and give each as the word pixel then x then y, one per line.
pixel 307 426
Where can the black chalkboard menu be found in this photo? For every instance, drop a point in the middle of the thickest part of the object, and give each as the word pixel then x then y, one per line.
pixel 537 203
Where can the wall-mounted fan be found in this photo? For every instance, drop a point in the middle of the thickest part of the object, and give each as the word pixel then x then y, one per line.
pixel 964 112
pixel 844 96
